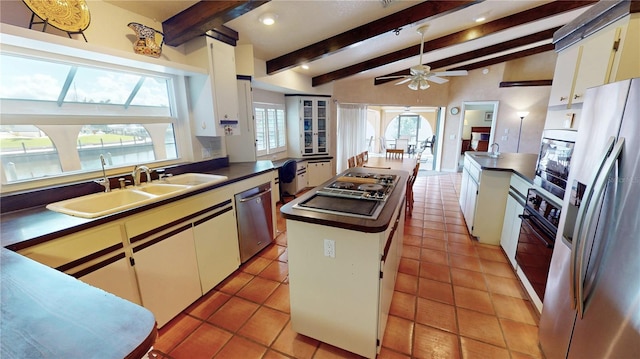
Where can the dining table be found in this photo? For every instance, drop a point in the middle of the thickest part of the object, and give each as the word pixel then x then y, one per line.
pixel 404 163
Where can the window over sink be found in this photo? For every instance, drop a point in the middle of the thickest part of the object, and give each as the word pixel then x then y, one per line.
pixel 60 115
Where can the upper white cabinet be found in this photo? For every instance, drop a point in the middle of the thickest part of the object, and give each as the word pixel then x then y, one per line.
pixel 308 125
pixel 242 146
pixel 213 98
pixel 607 55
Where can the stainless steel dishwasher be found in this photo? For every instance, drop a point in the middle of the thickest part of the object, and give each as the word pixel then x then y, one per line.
pixel 255 225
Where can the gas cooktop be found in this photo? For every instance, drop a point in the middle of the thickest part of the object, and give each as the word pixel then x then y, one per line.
pixel 356 185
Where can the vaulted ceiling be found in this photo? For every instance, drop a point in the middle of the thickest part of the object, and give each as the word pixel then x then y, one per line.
pixel 368 38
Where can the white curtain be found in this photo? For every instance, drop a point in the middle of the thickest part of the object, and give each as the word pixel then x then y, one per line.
pixel 352 128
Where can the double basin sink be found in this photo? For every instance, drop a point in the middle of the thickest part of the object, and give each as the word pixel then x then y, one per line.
pixel 104 203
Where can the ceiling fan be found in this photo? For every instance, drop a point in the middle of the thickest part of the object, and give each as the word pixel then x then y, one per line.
pixel 420 74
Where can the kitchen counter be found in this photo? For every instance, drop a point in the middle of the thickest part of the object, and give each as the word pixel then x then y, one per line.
pixel 48 314
pixel 353 223
pixel 24 228
pixel 523 164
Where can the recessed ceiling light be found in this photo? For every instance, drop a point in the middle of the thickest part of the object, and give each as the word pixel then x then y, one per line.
pixel 305 67
pixel 480 19
pixel 268 18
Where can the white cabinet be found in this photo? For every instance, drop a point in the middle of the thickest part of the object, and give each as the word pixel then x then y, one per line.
pixel 511 227
pixel 116 278
pixel 485 197
pixel 607 55
pixel 242 146
pixel 213 98
pixel 318 172
pixel 167 271
pixel 216 241
pixel 96 256
pixel 308 125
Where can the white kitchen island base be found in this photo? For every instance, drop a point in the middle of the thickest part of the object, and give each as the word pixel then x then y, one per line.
pixel 343 300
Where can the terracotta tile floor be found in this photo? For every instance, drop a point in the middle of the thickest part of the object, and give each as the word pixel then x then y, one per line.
pixel 454 298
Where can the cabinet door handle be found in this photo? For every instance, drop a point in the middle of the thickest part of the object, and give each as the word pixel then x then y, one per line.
pixel 562 98
pixel 576 96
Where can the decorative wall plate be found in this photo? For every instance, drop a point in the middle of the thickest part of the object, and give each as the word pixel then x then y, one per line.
pixel 65 15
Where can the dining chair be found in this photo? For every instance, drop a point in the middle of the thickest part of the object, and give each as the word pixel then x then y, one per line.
pixel 351 161
pixel 365 156
pixel 359 159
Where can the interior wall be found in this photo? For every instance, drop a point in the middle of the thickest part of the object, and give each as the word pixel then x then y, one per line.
pixel 364 91
pixel 480 86
pixel 108 26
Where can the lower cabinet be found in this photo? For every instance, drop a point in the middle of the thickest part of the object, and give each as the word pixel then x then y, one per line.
pixel 216 243
pixel 318 172
pixel 167 272
pixel 514 208
pixel 116 277
pixel 511 228
pixel 483 197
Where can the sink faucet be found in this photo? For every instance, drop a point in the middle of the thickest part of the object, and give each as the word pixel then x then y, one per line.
pixel 136 174
pixel 497 151
pixel 104 181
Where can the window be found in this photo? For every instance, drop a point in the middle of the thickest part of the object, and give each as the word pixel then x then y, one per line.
pixel 412 127
pixel 58 117
pixel 271 136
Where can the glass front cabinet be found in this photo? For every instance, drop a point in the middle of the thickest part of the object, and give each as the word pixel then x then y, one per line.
pixel 307 125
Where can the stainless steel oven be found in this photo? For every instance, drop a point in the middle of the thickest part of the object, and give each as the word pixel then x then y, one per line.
pixel 554 160
pixel 537 238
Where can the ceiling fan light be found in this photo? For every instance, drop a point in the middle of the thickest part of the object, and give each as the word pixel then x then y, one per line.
pixel 414 84
pixel 424 85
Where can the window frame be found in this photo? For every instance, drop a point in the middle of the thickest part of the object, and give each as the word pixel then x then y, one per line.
pixel 176 87
pixel 268 150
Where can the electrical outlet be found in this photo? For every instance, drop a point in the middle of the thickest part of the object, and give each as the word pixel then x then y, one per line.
pixel 506 131
pixel 329 248
pixel 504 138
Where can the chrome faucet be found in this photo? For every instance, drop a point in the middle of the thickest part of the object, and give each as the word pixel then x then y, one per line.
pixel 497 151
pixel 104 181
pixel 136 174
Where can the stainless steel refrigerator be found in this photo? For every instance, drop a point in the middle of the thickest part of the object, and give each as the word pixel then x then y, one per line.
pixel 591 307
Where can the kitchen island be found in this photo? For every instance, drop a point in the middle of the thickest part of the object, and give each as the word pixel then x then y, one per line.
pixel 342 269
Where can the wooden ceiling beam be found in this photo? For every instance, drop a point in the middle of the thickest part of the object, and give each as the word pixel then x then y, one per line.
pixel 486 51
pixel 473 33
pixel 424 10
pixel 204 16
pixel 509 57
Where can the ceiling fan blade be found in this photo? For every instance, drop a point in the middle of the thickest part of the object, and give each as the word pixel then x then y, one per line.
pixel 452 73
pixel 436 79
pixel 391 77
pixel 404 81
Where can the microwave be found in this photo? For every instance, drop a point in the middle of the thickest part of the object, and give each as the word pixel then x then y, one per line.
pixel 554 161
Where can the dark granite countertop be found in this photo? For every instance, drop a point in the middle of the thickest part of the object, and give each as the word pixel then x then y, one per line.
pixel 48 314
pixel 27 227
pixel 280 162
pixel 352 223
pixel 523 164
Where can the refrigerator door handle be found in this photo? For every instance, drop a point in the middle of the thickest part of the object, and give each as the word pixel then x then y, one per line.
pixel 599 189
pixel 577 229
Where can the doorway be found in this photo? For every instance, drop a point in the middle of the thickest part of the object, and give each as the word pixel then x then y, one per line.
pixel 477 127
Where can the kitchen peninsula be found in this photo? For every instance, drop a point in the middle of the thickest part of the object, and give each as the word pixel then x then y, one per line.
pixel 342 268
pixel 485 187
